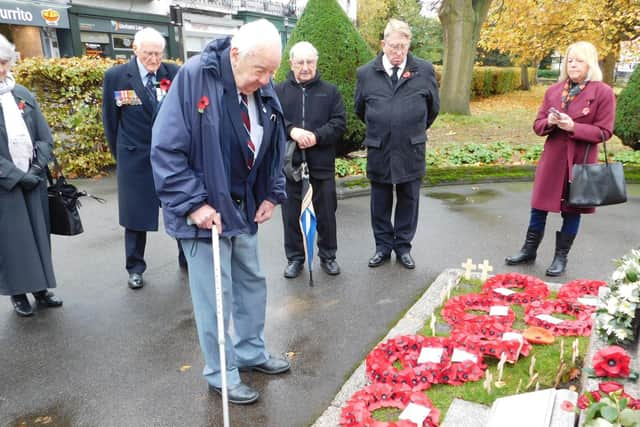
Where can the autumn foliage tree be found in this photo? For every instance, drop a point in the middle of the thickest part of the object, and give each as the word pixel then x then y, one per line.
pixel 528 29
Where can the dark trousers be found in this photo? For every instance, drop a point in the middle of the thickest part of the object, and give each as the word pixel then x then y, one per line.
pixel 325 204
pixel 134 244
pixel 396 236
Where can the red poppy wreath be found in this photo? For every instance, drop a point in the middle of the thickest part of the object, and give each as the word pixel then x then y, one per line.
pixel 538 313
pixel 507 343
pixel 580 288
pixel 357 411
pixel 501 287
pixel 497 320
pixel 423 361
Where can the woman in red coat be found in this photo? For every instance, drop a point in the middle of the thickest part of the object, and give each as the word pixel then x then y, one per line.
pixel 577 112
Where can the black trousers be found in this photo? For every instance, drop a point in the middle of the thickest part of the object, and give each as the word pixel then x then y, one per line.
pixel 325 204
pixel 134 245
pixel 396 236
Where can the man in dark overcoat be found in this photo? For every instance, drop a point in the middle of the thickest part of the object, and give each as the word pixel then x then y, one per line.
pixel 397 97
pixel 131 95
pixel 315 121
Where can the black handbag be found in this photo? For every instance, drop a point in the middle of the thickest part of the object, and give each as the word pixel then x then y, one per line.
pixel 597 184
pixel 293 173
pixel 64 201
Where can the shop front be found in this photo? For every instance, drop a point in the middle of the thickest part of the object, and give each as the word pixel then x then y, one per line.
pixel 110 33
pixel 33 27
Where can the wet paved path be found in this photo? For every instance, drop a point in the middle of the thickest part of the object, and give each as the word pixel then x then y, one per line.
pixel 112 357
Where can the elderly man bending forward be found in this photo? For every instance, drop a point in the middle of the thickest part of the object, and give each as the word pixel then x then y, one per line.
pixel 217 156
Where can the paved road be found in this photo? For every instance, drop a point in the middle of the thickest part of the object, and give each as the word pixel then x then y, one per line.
pixel 112 357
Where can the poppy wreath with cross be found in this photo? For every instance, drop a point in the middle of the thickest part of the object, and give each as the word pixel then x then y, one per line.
pixel 404 351
pixel 505 287
pixel 358 410
pixel 455 312
pixel 581 326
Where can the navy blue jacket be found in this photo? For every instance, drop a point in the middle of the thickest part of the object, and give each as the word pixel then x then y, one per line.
pixel 191 162
pixel 128 131
pixel 397 118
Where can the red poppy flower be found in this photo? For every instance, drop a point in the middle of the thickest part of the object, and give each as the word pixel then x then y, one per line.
pixel 567 406
pixel 165 84
pixel 406 74
pixel 21 105
pixel 611 361
pixel 583 401
pixel 595 395
pixel 609 387
pixel 202 104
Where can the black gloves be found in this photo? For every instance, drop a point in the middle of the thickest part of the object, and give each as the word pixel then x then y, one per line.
pixel 37 170
pixel 29 180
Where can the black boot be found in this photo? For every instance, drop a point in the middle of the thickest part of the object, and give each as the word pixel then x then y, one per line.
pixel 528 252
pixel 563 245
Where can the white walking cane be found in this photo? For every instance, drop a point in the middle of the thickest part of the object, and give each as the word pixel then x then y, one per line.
pixel 215 246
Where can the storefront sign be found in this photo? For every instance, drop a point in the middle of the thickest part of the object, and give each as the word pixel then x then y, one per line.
pixel 116 26
pixel 36 15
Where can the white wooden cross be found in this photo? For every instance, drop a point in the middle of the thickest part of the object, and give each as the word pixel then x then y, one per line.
pixel 468 266
pixel 485 268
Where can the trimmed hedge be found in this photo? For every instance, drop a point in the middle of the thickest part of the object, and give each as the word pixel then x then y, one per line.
pixel 69 91
pixel 342 50
pixel 627 124
pixel 489 81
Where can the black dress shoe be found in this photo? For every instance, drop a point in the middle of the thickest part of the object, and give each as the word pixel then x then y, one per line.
pixel 293 269
pixel 21 305
pixel 240 394
pixel 330 266
pixel 378 259
pixel 135 281
pixel 272 366
pixel 407 261
pixel 47 299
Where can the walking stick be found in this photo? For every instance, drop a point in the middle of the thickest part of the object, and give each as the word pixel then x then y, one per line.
pixel 215 247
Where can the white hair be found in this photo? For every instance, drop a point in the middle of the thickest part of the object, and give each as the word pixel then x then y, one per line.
pixel 255 35
pixel 148 34
pixel 397 26
pixel 302 47
pixel 7 50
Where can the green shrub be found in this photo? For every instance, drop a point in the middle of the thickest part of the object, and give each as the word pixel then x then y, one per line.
pixel 342 50
pixel 548 74
pixel 627 124
pixel 488 81
pixel 69 91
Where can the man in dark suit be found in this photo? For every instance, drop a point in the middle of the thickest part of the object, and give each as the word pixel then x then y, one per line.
pixel 397 97
pixel 131 94
pixel 315 121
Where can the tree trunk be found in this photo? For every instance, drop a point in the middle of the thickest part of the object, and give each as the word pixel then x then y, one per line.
pixel 609 68
pixel 524 77
pixel 461 22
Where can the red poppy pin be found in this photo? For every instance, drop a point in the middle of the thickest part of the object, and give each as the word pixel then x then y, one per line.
pixel 202 104
pixel 585 111
pixel 165 84
pixel 406 74
pixel 21 106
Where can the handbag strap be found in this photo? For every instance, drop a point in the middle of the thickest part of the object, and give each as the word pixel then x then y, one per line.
pixel 61 180
pixel 604 146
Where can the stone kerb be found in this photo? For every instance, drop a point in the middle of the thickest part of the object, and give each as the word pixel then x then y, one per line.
pixel 411 323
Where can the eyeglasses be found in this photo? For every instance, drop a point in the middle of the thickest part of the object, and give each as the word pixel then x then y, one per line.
pixel 397 47
pixel 303 62
pixel 151 54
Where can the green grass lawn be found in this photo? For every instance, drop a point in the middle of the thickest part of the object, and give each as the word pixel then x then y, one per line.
pixel 515 376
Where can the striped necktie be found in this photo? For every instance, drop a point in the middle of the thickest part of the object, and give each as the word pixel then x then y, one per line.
pixel 244 110
pixel 151 88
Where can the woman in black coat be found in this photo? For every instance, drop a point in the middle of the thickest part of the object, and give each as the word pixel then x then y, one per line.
pixel 25 149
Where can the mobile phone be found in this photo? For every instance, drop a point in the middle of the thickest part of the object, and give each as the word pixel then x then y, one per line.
pixel 555 112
